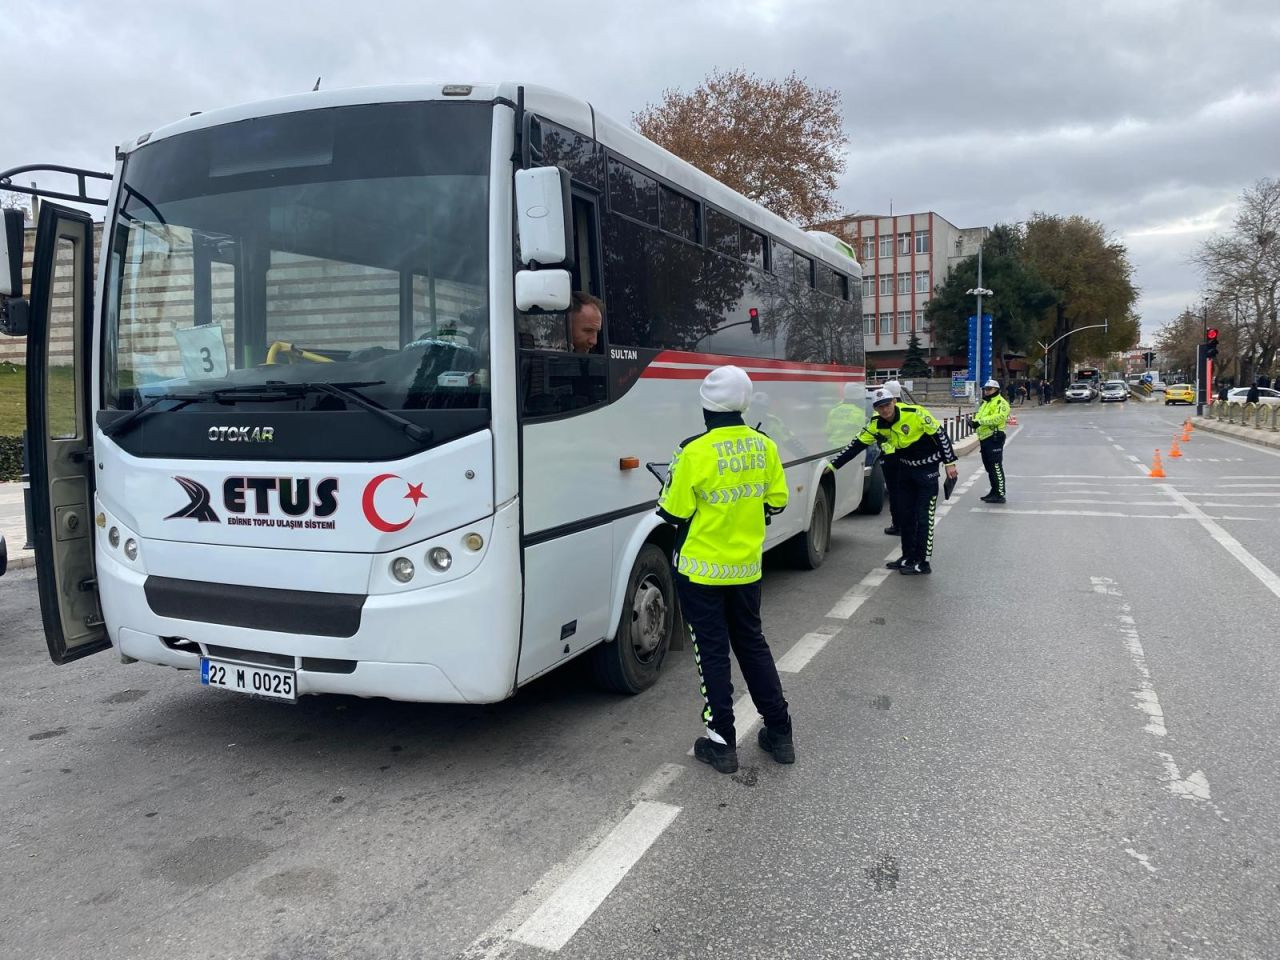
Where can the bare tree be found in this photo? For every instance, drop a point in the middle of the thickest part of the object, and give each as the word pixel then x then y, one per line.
pixel 1242 272
pixel 778 142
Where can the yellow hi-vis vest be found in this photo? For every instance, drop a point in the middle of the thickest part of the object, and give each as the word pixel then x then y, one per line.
pixel 720 482
pixel 991 416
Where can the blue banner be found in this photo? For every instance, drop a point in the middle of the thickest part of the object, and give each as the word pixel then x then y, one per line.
pixel 984 372
pixel 974 365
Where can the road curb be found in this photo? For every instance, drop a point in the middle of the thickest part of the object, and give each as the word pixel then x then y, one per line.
pixel 966 446
pixel 1262 438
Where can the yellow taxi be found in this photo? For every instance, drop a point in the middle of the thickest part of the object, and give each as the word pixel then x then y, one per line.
pixel 1179 393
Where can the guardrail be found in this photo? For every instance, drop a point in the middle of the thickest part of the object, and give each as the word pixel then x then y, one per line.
pixel 1261 416
pixel 957 427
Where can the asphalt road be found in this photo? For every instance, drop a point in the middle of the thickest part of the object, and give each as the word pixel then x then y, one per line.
pixel 1061 744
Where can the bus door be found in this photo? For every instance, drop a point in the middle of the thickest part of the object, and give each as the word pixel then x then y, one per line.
pixel 60 433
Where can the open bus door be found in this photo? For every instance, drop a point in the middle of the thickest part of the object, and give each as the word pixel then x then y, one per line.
pixel 60 433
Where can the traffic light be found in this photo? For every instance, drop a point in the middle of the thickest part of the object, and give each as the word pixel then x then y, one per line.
pixel 1211 343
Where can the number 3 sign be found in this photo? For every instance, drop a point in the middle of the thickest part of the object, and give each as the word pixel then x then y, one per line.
pixel 204 355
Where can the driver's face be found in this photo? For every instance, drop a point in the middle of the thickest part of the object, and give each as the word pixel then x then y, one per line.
pixel 584 328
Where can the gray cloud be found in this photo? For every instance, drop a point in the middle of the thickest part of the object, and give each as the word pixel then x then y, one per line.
pixel 1150 116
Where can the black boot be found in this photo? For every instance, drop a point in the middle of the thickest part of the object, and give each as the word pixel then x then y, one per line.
pixel 995 499
pixel 896 564
pixel 722 756
pixel 777 743
pixel 892 531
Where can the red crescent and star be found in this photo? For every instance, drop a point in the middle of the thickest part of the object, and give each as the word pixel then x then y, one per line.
pixel 371 514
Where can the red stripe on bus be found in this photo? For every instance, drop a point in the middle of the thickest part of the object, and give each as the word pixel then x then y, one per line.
pixel 686 373
pixel 716 360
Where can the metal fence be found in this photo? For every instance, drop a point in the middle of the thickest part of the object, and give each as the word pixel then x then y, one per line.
pixel 1261 416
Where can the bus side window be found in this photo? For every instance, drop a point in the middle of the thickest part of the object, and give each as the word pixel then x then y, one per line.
pixel 556 378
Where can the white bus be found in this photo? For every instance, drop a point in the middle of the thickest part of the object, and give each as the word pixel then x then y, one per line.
pixel 318 425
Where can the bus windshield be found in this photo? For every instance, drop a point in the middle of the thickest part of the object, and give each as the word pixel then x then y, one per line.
pixel 338 246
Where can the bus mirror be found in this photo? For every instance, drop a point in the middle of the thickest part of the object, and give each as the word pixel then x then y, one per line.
pixel 11 254
pixel 545 291
pixel 542 216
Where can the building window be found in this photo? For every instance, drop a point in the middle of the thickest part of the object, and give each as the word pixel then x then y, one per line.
pixel 886 285
pixel 868 249
pixel 922 281
pixel 904 283
pixel 869 325
pixel 886 245
pixel 922 241
pixel 904 244
pixel 922 322
pixel 904 322
pixel 868 286
pixel 886 324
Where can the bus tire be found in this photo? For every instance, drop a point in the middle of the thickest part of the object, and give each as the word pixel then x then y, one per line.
pixel 650 616
pixel 873 491
pixel 807 550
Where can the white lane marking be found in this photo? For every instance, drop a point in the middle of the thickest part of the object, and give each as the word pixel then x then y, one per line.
pixel 1252 476
pixel 1082 513
pixel 1217 493
pixel 1133 458
pixel 1142 858
pixel 1266 576
pixel 804 650
pixel 1148 702
pixel 1193 787
pixel 1118 447
pixel 555 922
pixel 847 605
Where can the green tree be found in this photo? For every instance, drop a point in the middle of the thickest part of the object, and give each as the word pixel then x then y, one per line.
pixel 914 363
pixel 1091 282
pixel 1018 302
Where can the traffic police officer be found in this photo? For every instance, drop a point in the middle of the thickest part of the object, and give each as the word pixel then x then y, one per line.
pixel 721 488
pixel 889 469
pixel 989 421
pixel 920 443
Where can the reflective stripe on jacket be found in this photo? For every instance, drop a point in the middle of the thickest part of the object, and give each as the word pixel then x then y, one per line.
pixel 913 435
pixel 718 488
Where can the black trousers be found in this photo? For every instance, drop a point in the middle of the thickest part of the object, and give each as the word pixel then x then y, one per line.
pixel 993 460
pixel 892 470
pixel 721 619
pixel 919 511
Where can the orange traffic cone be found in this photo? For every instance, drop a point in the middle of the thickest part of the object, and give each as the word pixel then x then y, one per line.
pixel 1186 433
pixel 1157 468
pixel 1188 426
pixel 1012 421
pixel 1174 449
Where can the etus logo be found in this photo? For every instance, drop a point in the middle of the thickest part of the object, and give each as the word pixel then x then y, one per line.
pixel 199 508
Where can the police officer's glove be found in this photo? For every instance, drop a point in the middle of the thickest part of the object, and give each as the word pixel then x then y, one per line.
pixel 973 424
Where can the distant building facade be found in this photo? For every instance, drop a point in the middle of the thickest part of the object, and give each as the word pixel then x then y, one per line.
pixel 904 259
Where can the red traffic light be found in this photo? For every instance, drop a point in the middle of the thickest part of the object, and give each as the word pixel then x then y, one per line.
pixel 1212 334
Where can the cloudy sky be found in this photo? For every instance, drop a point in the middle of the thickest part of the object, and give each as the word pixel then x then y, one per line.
pixel 1149 115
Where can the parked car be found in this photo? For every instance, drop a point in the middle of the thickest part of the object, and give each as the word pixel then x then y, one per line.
pixel 1079 392
pixel 1179 393
pixel 1265 395
pixel 1115 390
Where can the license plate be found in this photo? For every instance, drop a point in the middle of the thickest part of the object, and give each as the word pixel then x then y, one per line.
pixel 246 678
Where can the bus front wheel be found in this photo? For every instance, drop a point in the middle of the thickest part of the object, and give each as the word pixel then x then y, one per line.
pixel 650 616
pixel 807 550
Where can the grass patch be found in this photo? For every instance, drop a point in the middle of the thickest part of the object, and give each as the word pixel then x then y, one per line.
pixel 13 399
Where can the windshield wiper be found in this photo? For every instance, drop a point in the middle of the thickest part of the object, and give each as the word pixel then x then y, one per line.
pixel 281 390
pixel 117 427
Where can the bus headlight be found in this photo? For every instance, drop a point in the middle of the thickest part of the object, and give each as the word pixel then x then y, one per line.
pixel 113 537
pixel 473 541
pixel 440 558
pixel 402 569
pixel 131 548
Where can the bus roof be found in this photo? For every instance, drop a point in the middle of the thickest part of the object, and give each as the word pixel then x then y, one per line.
pixel 552 105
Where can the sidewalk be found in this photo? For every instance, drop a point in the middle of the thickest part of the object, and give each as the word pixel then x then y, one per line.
pixel 1262 437
pixel 13 524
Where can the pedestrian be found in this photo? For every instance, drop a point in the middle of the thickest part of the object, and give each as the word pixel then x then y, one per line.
pixel 921 443
pixel 1047 389
pixel 1022 393
pixel 722 487
pixel 1222 391
pixel 989 421
pixel 889 468
pixel 1253 395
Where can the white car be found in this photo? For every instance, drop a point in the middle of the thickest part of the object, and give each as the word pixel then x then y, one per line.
pixel 1115 390
pixel 1265 395
pixel 1078 392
